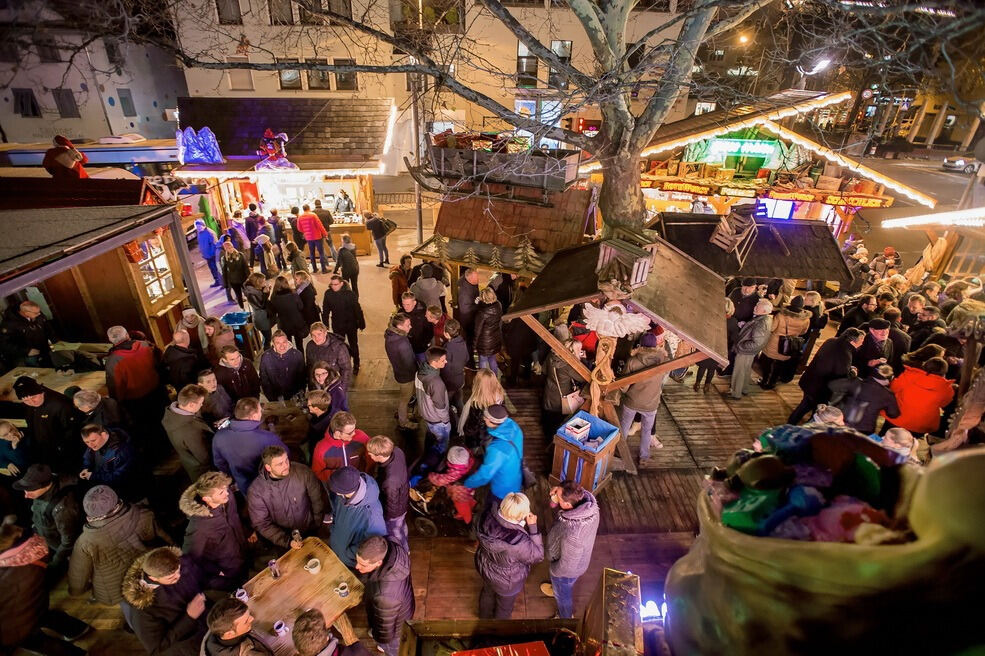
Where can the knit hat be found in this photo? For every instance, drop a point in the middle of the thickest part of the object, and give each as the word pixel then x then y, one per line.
pixel 888 250
pixel 796 304
pixel 344 480
pixel 458 455
pixel 36 477
pixel 648 340
pixel 26 386
pixel 497 414
pixel 879 324
pixel 748 282
pixel 100 501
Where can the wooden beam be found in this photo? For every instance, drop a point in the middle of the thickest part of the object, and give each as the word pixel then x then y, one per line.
pixel 649 372
pixel 557 346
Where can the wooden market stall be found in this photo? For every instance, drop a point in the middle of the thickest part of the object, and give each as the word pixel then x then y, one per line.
pixel 956 241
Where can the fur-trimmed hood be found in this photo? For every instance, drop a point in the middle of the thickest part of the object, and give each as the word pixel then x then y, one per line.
pixel 192 505
pixel 137 593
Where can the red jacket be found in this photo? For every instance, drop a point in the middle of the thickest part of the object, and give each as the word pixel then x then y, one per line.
pixel 131 370
pixel 920 397
pixel 311 227
pixel 331 454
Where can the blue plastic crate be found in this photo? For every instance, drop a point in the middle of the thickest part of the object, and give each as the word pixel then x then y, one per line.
pixel 235 319
pixel 597 428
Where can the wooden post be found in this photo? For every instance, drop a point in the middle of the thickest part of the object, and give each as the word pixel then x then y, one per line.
pixel 643 374
pixel 557 346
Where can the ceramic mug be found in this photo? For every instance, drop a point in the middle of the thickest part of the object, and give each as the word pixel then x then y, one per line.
pixel 343 589
pixel 242 595
pixel 313 566
pixel 280 628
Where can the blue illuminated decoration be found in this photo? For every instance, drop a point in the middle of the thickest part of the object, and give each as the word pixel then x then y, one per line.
pixel 198 148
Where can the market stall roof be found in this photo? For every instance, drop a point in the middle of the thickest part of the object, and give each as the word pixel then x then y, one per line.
pixel 969 221
pixel 323 133
pixel 680 294
pixel 39 243
pixel 483 223
pixel 781 248
pixel 148 150
pixel 37 193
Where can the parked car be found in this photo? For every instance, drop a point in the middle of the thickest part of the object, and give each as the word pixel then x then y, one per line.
pixel 962 163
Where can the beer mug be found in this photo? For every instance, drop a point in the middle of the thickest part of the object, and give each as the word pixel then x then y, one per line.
pixel 342 590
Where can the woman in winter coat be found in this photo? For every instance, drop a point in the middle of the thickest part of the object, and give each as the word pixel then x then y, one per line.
pixel 509 544
pixel 115 533
pixel 791 321
pixel 287 310
pixel 25 597
pixel 327 379
pixel 219 335
pixel 235 271
pixel 267 254
pixel 560 379
pixel 488 329
pixel 819 319
pixel 304 287
pixel 486 391
pixel 643 398
pixel 400 279
pixel 255 291
pixel 921 395
pixel 296 259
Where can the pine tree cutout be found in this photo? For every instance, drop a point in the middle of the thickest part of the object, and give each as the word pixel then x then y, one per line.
pixel 470 258
pixel 526 259
pixel 496 259
pixel 440 247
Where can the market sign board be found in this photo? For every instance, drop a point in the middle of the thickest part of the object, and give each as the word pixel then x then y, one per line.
pixel 845 200
pixel 719 149
pixel 675 185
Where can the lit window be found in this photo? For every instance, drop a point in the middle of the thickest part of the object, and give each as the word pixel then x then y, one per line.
pixel 126 102
pixel 561 49
pixel 155 269
pixel 704 108
pixel 717 55
pixel 526 67
pixel 289 78
pixel 318 79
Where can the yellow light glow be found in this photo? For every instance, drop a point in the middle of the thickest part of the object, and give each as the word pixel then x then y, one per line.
pixel 299 176
pixel 969 218
pixel 743 38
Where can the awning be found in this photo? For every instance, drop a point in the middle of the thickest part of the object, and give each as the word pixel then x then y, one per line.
pixel 144 152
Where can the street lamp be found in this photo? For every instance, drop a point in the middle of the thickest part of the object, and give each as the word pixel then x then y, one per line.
pixel 743 39
pixel 819 66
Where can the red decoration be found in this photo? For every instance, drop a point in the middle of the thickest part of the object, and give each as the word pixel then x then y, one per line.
pixel 524 649
pixel 63 161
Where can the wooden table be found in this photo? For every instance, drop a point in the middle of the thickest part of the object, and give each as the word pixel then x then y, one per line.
pixel 297 591
pixel 56 380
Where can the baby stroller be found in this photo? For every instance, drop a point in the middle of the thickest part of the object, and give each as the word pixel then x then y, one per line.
pixel 442 505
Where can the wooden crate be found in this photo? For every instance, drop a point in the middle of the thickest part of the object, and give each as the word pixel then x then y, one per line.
pixel 591 470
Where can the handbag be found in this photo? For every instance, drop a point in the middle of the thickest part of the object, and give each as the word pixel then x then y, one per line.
pixel 790 345
pixel 389 225
pixel 570 403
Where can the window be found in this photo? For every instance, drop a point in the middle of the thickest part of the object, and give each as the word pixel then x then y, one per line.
pixel 563 51
pixel 341 7
pixel 345 81
pixel 318 79
pixel 704 108
pixel 717 55
pixel 65 101
pixel 113 54
pixel 443 15
pixel 526 67
pixel 26 104
pixel 289 78
pixel 240 79
pixel 309 18
pixel 155 269
pixel 47 50
pixel 281 12
pixel 126 102
pixel 229 13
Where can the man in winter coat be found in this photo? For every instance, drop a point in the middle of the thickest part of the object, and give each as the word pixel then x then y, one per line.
pixel 131 369
pixel 218 405
pixel 453 373
pixel 109 460
pixel 52 424
pixel 570 541
pixel 56 514
pixel 501 465
pixel 328 347
pixel 745 298
pixel 429 289
pixel 236 449
pixel 876 348
pixel 163 603
pixel 230 633
pixel 188 433
pixel 347 265
pixel 341 310
pixel 26 336
pixel 344 445
pixel 282 370
pixel 831 362
pixel 313 231
pixel 252 226
pixel 208 247
pixel 421 332
pixel 432 397
pixel 215 538
pixel 114 534
pixel 862 400
pixel 921 394
pixel 400 352
pixel 181 362
pixel 929 319
pixel 313 636
pixel 391 476
pixel 320 408
pixel 898 337
pixel 325 216
pixel 864 312
pixel 98 409
pixel 753 336
pixel 285 497
pixel 384 570
pixel 356 511
pixel 643 398
pixel 468 292
pixel 509 543
pixel 237 375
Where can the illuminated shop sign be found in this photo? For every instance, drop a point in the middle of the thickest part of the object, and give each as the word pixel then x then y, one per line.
pixel 719 149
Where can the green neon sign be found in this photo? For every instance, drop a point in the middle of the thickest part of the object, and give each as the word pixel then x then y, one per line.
pixel 719 149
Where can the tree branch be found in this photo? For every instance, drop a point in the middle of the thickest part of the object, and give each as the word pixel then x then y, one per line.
pixel 726 24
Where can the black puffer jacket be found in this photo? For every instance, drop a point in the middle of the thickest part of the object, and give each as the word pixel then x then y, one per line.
pixel 182 365
pixel 389 594
pixel 831 362
pixel 861 401
pixel 280 505
pixel 421 330
pixel 391 476
pixel 506 552
pixel 214 539
pixel 54 431
pixel 488 328
pixel 286 310
pixel 282 376
pixel 400 352
pixel 309 302
pixel 157 615
pixel 341 311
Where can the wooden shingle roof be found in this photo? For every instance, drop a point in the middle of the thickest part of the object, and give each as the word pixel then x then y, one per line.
pixel 37 193
pixel 349 129
pixel 502 222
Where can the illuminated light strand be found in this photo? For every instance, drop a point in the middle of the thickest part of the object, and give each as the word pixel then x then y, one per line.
pixel 969 218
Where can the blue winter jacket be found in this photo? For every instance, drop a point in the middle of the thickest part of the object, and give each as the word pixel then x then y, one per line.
pixel 207 244
pixel 356 519
pixel 236 450
pixel 113 464
pixel 501 466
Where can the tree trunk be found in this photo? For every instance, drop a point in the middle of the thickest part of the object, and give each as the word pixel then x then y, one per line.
pixel 620 199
